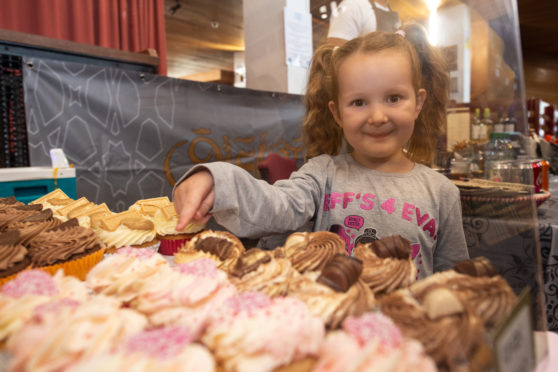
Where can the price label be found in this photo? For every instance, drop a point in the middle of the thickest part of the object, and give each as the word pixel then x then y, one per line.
pixel 513 342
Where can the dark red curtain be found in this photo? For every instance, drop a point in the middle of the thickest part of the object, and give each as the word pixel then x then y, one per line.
pixel 130 25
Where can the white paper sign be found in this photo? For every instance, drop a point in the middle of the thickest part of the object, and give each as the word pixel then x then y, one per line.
pixel 298 38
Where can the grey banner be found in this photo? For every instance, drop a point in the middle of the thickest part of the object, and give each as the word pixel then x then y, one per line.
pixel 131 134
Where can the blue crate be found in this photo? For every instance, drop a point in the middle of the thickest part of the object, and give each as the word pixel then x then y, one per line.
pixel 30 183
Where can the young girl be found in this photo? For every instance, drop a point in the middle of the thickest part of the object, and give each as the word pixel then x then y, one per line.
pixel 372 92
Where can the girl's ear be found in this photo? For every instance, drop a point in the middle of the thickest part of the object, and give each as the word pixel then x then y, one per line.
pixel 335 113
pixel 421 97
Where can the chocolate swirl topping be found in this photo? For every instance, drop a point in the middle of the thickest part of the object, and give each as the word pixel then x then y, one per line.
pixel 8 202
pixel 341 272
pixel 17 213
pixel 11 252
pixel 32 225
pixel 62 243
pixel 478 267
pixel 250 261
pixel 312 251
pixel 393 246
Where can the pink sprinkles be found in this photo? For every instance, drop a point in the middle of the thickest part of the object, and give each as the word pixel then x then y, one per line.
pixel 160 343
pixel 248 302
pixel 201 267
pixel 140 253
pixel 374 325
pixel 32 282
pixel 54 307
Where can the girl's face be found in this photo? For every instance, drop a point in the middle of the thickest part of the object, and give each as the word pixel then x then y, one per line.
pixel 377 108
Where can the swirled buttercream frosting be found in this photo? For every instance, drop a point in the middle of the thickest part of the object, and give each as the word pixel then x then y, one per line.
pixel 387 264
pixel 62 243
pixel 13 255
pixel 221 244
pixel 15 213
pixel 330 305
pixel 32 225
pixel 311 251
pixel 258 270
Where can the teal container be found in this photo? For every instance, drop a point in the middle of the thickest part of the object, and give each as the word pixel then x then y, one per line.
pixel 30 183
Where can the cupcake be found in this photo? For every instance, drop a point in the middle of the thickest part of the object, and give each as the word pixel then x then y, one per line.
pixel 371 342
pixel 119 275
pixel 127 229
pixel 33 224
pixel 387 264
pixel 58 336
pixel 31 288
pixel 10 201
pixel 54 200
pixel 68 246
pixel 165 220
pixel 13 256
pixel 446 326
pixel 311 251
pixel 335 293
pixel 16 213
pixel 252 332
pixel 85 212
pixel 75 205
pixel 220 246
pixel 164 349
pixel 184 295
pixel 259 270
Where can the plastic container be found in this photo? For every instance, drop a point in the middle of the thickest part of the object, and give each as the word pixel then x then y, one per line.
pixel 30 183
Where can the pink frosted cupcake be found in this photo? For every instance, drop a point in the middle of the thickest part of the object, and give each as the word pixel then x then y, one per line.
pixel 32 288
pixel 253 332
pixel 371 342
pixel 165 349
pixel 119 275
pixel 62 334
pixel 184 295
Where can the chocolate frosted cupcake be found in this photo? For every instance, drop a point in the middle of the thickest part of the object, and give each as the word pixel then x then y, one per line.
pixel 34 224
pixel 68 246
pixel 221 246
pixel 258 270
pixel 311 251
pixel 449 331
pixel 16 213
pixel 336 292
pixel 387 264
pixel 8 202
pixel 13 256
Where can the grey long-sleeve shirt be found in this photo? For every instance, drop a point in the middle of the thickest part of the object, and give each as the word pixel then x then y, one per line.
pixel 357 203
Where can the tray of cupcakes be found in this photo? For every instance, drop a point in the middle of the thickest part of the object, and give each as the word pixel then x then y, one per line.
pixel 217 306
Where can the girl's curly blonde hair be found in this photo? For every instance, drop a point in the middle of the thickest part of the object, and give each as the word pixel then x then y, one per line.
pixel 320 132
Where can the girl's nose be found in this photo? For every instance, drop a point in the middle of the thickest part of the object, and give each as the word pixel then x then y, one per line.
pixel 376 115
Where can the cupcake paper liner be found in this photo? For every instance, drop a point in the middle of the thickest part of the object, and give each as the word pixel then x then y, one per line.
pixel 78 267
pixel 169 247
pixel 6 279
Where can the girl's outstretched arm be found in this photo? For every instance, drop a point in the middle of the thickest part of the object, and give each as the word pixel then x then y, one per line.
pixel 193 199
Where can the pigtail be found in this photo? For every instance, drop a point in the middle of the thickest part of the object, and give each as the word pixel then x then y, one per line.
pixel 320 132
pixel 432 118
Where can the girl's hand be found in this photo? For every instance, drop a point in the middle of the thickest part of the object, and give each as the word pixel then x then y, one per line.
pixel 193 199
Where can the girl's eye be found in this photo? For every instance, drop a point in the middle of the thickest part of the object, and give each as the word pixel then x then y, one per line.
pixel 357 102
pixel 394 98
